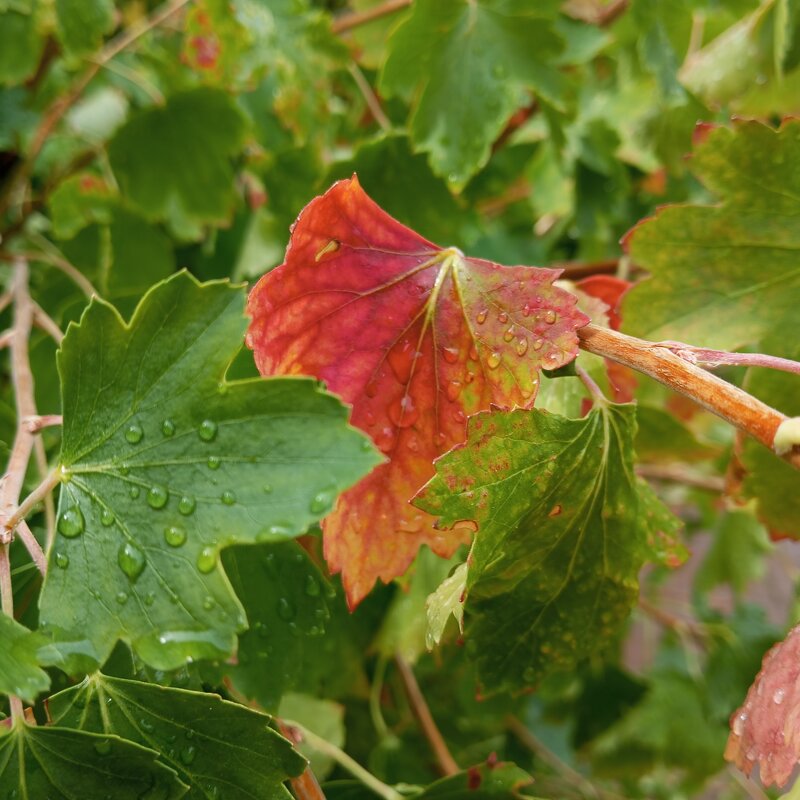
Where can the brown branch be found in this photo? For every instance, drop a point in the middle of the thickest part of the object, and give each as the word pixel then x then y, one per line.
pixel 678 473
pixel 721 398
pixel 357 18
pixel 444 760
pixel 62 104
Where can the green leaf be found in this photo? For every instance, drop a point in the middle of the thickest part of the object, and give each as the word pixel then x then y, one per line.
pixel 220 749
pixel 82 24
pixel 737 553
pixel 482 782
pixel 724 275
pixel 20 43
pixel 61 764
pixel 447 600
pixel 298 626
pixel 471 64
pixel 660 436
pixel 19 667
pixel 770 480
pixel 164 463
pixel 553 570
pixel 174 162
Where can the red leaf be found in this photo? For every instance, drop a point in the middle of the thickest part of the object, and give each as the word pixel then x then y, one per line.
pixel 766 729
pixel 417 338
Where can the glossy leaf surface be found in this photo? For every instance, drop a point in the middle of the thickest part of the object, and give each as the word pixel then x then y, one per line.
pixel 417 338
pixel 220 749
pixel 165 463
pixel 20 673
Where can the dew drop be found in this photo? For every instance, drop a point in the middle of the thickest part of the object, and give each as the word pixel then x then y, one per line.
pixel 453 390
pixel 186 505
pixel 404 412
pixel 207 430
pixel 473 353
pixel 134 492
pixel 502 317
pixel 493 361
pixel 401 359
pixel 481 318
pixel 509 334
pixel 213 462
pixel 286 609
pixel 103 747
pixel 278 531
pixel 131 560
pixel 371 389
pixel 549 316
pixel 538 344
pixel 188 754
pixel 62 560
pixel 106 518
pixel 738 723
pixel 70 522
pixel 149 599
pixel 228 498
pixel 208 603
pixel 146 725
pixel 412 443
pixel 134 433
pixel 459 416
pixel 450 354
pixel 323 501
pixel 207 560
pixel 470 376
pixel 157 496
pixel 522 346
pixel 267 488
pixel 312 586
pixel 526 310
pixel 777 698
pixel 168 427
pixel 122 598
pixel 175 536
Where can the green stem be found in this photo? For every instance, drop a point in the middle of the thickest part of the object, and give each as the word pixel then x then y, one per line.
pixel 343 760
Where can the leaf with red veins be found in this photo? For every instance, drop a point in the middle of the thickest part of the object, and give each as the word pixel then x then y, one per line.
pixel 417 338
pixel 766 729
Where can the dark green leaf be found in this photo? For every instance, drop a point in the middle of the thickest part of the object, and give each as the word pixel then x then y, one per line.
pixel 220 749
pixel 164 463
pixel 20 42
pixel 563 527
pixel 83 23
pixel 62 764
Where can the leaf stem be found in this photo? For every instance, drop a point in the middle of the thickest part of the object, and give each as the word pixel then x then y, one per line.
pixel 710 359
pixel 370 98
pixel 594 390
pixel 357 18
pixel 43 321
pixel 720 397
pixel 343 760
pixel 678 473
pixel 419 706
pixel 51 480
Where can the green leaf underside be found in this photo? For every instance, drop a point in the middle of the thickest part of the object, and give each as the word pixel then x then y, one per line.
pixel 481 782
pixel 165 463
pixel 472 63
pixel 564 526
pixel 725 275
pixel 62 764
pixel 19 668
pixel 220 749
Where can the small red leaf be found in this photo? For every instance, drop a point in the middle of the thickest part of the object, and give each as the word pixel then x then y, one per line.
pixel 766 729
pixel 416 338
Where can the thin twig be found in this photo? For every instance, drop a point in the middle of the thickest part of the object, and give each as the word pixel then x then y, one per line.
pixel 444 759
pixel 5 300
pixel 710 359
pixel 678 473
pixel 538 748
pixel 357 18
pixel 723 399
pixel 32 546
pixel 342 759
pixel 49 483
pixel 137 79
pixel 55 113
pixel 5 339
pixel 60 263
pixel 696 631
pixel 37 423
pixel 594 390
pixel 370 98
pixel 43 321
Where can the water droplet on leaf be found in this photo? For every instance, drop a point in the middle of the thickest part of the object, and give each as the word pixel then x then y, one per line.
pixel 62 560
pixel 213 462
pixel 175 536
pixel 134 433
pixel 312 586
pixel 450 354
pixel 207 430
pixel 286 609
pixel 131 560
pixel 157 496
pixel 323 501
pixel 168 427
pixel 71 522
pixel 228 497
pixel 481 318
pixel 404 413
pixel 186 505
pixel 106 518
pixel 493 361
pixel 549 316
pixel 207 560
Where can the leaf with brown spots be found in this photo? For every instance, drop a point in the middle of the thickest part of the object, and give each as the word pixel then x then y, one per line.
pixel 417 338
pixel 765 731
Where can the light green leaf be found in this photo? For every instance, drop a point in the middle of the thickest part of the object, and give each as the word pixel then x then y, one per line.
pixel 165 463
pixel 660 436
pixel 20 44
pixel 553 570
pixel 82 24
pixel 174 162
pixel 323 717
pixel 220 749
pixel 470 64
pixel 724 275
pixel 447 600
pixel 62 764
pixel 19 667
